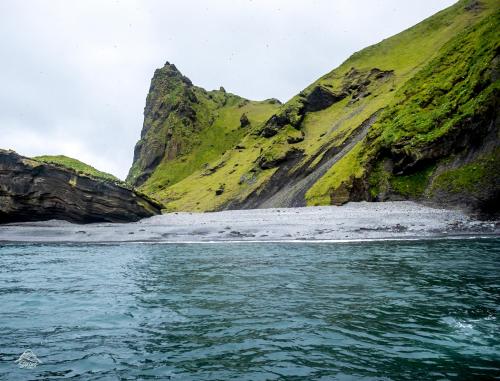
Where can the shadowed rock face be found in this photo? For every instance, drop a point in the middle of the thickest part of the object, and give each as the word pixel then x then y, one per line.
pixel 321 98
pixel 33 191
pixel 170 100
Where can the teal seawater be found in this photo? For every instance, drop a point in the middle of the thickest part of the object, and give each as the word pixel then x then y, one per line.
pixel 421 310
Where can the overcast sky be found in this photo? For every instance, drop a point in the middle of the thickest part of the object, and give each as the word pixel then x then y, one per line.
pixel 74 74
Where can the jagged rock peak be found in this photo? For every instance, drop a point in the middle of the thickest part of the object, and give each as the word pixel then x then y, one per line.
pixel 169 105
pixel 170 71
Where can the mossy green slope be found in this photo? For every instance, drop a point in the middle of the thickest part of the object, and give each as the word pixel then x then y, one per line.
pixel 447 111
pixel 78 166
pixel 224 133
pixel 398 106
pixel 187 128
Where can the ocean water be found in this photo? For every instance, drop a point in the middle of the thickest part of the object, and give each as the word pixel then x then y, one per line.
pixel 419 310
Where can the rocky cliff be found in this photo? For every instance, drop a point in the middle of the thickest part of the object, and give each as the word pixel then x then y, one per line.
pixel 31 190
pixel 186 127
pixel 413 117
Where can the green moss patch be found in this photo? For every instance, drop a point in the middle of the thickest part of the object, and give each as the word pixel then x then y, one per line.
pixel 212 143
pixel 379 180
pixel 77 166
pixel 452 88
pixel 413 185
pixel 472 178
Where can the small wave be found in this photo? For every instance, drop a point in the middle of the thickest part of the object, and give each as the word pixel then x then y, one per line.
pixel 480 331
pixel 465 327
pixel 300 240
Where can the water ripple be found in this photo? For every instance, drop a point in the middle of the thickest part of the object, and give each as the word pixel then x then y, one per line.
pixel 276 311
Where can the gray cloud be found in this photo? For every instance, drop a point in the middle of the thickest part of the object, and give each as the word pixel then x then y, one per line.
pixel 75 73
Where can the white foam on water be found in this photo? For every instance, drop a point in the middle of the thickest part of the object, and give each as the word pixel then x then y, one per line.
pixel 28 360
pixel 464 327
pixel 301 241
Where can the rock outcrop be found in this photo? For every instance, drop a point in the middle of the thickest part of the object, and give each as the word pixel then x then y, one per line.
pixel 34 191
pixel 320 98
pixel 169 103
pixel 177 116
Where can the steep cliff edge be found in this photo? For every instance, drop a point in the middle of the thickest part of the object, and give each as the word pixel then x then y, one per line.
pixel 186 127
pixel 413 117
pixel 31 190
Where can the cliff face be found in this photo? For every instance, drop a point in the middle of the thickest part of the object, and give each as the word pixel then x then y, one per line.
pixel 185 127
pixel 413 117
pixel 33 191
pixel 438 139
pixel 169 104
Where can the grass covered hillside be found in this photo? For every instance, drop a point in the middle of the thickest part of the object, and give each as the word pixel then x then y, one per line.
pixel 442 118
pixel 186 128
pixel 397 120
pixel 77 165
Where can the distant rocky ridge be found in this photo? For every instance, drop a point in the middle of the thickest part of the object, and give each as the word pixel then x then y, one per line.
pixel 34 191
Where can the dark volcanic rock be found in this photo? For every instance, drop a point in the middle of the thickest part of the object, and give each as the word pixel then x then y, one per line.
pixel 266 162
pixel 34 191
pixel 321 98
pixel 357 83
pixel 278 121
pixel 220 190
pixel 244 120
pixel 473 5
pixel 273 125
pixel 295 139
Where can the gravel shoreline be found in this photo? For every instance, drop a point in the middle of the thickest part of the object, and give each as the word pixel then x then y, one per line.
pixel 351 222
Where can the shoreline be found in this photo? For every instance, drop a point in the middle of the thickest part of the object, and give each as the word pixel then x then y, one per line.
pixel 353 222
pixel 294 241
